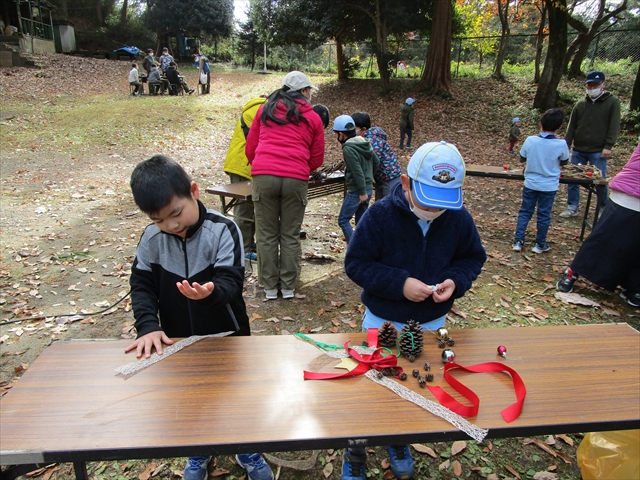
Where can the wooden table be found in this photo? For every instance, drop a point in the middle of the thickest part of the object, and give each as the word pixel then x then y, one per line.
pixel 517 174
pixel 329 185
pixel 246 394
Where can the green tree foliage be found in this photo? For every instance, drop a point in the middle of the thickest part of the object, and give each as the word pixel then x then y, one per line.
pixel 212 17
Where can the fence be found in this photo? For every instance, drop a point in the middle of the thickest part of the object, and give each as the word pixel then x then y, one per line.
pixel 476 54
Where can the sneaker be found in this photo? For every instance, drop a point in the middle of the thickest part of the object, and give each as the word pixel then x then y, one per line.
pixel 569 213
pixel 512 152
pixel 409 147
pixel 540 247
pixel 196 468
pixel 565 284
pixel 271 294
pixel 256 467
pixel 517 245
pixel 287 293
pixel 353 466
pixel 401 461
pixel 251 256
pixel 191 91
pixel 632 299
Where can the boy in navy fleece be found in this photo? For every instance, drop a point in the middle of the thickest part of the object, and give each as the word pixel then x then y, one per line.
pixel 413 253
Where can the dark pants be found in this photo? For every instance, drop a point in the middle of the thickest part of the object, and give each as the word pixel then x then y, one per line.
pixel 408 133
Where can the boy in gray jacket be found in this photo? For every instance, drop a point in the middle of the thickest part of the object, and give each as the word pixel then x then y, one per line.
pixel 361 163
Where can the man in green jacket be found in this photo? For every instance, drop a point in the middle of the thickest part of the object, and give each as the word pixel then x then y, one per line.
pixel 237 167
pixel 593 130
pixel 361 163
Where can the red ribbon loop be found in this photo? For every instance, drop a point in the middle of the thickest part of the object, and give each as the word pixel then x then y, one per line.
pixel 509 414
pixel 365 362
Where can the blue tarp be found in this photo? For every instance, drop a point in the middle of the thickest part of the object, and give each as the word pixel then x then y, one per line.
pixel 130 50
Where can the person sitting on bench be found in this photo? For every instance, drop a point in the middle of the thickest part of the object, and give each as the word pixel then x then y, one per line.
pixel 157 82
pixel 173 76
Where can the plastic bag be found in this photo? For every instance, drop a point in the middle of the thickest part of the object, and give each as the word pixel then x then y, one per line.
pixel 610 455
pixel 203 78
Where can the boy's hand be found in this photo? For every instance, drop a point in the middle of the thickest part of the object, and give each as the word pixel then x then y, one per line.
pixel 606 153
pixel 147 343
pixel 445 291
pixel 195 291
pixel 363 198
pixel 415 290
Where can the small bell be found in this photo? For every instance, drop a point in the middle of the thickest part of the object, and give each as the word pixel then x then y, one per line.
pixel 502 351
pixel 442 333
pixel 448 355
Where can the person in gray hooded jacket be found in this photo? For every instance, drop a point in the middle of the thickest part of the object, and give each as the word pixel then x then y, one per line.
pixel 361 163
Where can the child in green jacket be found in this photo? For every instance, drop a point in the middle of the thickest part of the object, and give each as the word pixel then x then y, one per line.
pixel 406 122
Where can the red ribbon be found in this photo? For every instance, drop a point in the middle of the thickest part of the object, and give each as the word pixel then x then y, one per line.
pixel 509 414
pixel 365 362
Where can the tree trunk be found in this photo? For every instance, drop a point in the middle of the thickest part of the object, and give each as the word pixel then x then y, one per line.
pixel 576 70
pixel 64 10
pixel 540 43
pixel 437 72
pixel 503 13
pixel 99 12
pixel 340 55
pixel 381 50
pixel 635 95
pixel 547 92
pixel 123 13
pixel 577 42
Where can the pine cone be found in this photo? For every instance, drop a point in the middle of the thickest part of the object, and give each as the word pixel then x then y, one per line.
pixel 442 343
pixel 416 372
pixel 411 339
pixel 387 335
pixel 451 342
pixel 427 366
pixel 403 376
pixel 422 381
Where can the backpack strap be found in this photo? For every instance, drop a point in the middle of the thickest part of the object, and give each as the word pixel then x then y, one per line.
pixel 245 127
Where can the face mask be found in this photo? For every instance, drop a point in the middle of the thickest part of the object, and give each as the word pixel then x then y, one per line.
pixel 423 214
pixel 594 93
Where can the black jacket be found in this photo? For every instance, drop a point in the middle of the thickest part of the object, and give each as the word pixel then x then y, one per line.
pixel 211 251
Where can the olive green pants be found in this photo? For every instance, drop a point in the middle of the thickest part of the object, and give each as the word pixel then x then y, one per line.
pixel 243 216
pixel 279 205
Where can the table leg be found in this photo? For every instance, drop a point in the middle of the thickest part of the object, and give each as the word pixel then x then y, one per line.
pixel 81 470
pixel 590 189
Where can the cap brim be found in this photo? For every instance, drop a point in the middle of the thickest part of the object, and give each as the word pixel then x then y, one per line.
pixel 432 197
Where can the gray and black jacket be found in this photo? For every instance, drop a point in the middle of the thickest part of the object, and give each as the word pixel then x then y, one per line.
pixel 211 251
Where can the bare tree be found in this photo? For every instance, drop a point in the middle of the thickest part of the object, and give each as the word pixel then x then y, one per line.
pixel 547 92
pixel 503 14
pixel 437 72
pixel 542 8
pixel 587 34
pixel 123 13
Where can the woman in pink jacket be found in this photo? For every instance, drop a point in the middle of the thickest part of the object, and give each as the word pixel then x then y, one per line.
pixel 285 144
pixel 610 256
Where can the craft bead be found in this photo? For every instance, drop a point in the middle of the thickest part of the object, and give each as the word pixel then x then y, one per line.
pixel 448 355
pixel 442 333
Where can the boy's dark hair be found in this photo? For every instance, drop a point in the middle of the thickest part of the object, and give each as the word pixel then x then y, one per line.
pixel 134 65
pixel 149 50
pixel 154 182
pixel 323 112
pixel 173 64
pixel 290 100
pixel 362 120
pixel 552 119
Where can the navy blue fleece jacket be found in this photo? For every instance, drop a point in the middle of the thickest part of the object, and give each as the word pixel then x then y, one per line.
pixel 388 247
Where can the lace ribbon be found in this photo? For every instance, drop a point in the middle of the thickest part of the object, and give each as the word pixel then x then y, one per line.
pixel 130 369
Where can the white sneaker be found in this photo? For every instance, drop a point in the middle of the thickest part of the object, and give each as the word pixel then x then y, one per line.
pixel 271 294
pixel 569 213
pixel 287 293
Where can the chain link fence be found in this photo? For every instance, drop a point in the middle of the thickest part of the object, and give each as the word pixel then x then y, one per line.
pixel 469 56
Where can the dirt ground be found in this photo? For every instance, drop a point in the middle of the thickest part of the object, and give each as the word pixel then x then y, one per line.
pixel 69 227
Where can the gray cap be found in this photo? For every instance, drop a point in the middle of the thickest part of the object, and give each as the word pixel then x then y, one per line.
pixel 297 81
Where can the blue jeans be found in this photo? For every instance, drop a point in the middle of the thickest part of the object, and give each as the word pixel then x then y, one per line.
pixel 408 133
pixel 529 200
pixel 351 206
pixel 384 188
pixel 573 191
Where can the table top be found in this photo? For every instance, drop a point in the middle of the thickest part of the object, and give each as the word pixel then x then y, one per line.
pixel 244 394
pixel 517 174
pixel 242 190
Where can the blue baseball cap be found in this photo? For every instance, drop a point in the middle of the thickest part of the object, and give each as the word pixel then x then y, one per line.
pixel 515 119
pixel 437 170
pixel 595 76
pixel 410 101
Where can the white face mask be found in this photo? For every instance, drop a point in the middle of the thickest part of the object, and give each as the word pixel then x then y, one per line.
pixel 595 92
pixel 423 214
